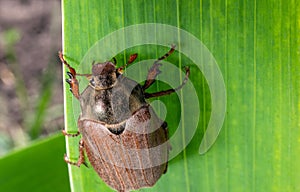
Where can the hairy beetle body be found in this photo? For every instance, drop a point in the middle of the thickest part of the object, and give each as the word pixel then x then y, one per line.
pixel 125 141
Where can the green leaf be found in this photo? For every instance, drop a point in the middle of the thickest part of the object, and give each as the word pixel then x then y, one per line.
pixel 256 46
pixel 38 167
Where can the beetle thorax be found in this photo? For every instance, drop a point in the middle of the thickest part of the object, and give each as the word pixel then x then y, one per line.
pixel 103 76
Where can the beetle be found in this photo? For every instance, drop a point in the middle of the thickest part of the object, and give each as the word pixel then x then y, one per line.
pixel 124 140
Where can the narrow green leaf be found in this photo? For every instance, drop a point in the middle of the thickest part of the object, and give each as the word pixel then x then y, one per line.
pixel 255 45
pixel 38 167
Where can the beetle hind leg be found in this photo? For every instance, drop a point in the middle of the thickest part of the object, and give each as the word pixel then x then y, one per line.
pixel 81 159
pixel 64 132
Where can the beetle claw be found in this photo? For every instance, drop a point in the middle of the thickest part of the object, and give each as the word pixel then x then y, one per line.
pixel 72 81
pixel 78 163
pixel 67 160
pixel 70 75
pixel 68 81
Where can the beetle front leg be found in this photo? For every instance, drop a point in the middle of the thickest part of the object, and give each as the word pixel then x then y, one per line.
pixel 152 73
pixel 169 91
pixel 154 70
pixel 72 81
pixel 131 59
pixel 81 159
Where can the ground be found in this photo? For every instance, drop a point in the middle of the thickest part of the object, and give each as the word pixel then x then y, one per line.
pixel 31 95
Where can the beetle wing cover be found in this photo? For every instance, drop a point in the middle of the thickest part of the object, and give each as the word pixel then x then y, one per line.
pixel 133 159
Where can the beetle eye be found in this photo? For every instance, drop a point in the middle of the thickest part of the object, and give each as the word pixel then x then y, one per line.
pixel 92 82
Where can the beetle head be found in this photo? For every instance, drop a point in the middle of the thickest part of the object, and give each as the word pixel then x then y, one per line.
pixel 103 75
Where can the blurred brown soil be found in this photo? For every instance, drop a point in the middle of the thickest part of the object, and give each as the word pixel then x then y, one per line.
pixel 35 25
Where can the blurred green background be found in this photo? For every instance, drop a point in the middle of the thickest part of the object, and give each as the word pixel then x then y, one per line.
pixel 255 43
pixel 31 97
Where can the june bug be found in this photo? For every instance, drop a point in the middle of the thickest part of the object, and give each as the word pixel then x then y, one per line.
pixel 124 140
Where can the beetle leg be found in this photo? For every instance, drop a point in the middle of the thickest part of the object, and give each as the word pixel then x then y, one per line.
pixel 81 159
pixel 70 134
pixel 152 73
pixel 131 59
pixel 167 54
pixel 88 76
pixel 72 81
pixel 169 91
pixel 154 70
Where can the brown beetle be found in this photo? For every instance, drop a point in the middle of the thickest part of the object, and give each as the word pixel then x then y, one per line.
pixel 125 141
